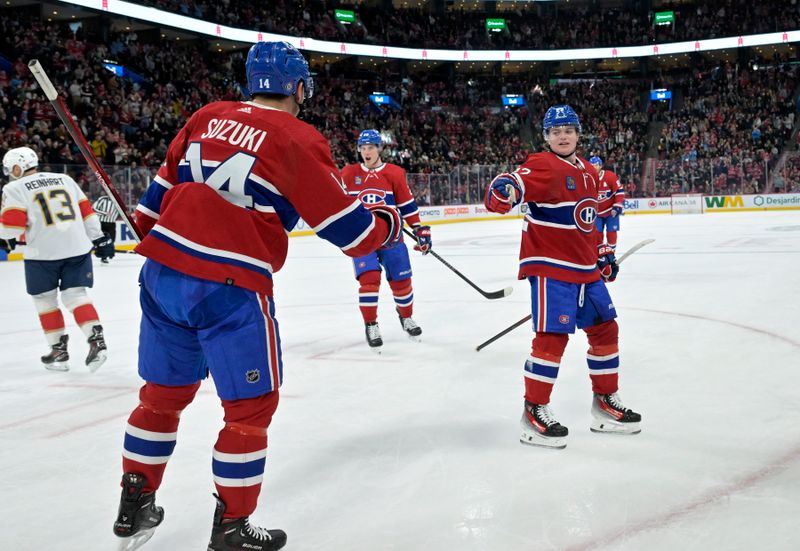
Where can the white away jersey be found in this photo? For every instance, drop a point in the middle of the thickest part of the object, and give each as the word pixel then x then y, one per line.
pixel 51 210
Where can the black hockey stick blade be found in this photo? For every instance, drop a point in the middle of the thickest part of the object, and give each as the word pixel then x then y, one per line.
pixel 491 295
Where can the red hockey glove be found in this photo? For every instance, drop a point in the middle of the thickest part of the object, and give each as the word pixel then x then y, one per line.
pixel 607 263
pixel 392 218
pixel 424 242
pixel 502 194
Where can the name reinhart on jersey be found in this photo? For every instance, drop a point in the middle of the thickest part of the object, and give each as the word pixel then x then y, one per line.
pixel 43 183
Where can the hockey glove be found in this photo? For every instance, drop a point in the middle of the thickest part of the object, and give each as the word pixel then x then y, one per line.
pixel 392 218
pixel 8 245
pixel 607 263
pixel 104 247
pixel 616 210
pixel 502 194
pixel 424 242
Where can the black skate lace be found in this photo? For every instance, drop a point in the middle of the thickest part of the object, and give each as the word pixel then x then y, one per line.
pixel 256 532
pixel 545 415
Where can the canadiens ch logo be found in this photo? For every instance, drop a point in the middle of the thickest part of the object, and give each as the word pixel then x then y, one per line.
pixel 253 376
pixel 372 196
pixel 570 182
pixel 564 320
pixel 585 213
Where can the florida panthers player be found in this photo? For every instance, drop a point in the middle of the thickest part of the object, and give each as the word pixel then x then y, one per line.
pixel 60 230
pixel 377 183
pixel 236 179
pixel 610 202
pixel 567 273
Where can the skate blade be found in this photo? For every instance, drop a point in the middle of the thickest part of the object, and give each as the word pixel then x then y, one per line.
pixel 612 427
pixel 137 540
pixel 536 439
pixel 99 360
pixel 414 338
pixel 57 366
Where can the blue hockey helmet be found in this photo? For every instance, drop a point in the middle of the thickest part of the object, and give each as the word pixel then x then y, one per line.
pixel 369 136
pixel 277 68
pixel 596 160
pixel 561 115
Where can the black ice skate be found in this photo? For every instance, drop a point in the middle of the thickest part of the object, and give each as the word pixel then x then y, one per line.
pixel 410 326
pixel 97 349
pixel 58 358
pixel 540 428
pixel 238 535
pixel 373 333
pixel 138 514
pixel 610 415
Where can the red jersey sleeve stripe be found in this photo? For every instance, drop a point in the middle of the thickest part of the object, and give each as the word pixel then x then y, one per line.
pixel 86 208
pixel 14 218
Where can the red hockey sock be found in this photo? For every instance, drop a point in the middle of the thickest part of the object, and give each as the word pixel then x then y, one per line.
pixel 369 285
pixel 541 369
pixel 603 356
pixel 403 296
pixel 611 239
pixel 240 452
pixel 152 430
pixel 86 316
pixel 53 325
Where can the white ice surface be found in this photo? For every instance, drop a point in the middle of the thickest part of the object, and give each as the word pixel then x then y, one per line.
pixel 418 449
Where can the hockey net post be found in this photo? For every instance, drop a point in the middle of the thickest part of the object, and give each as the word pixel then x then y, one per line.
pixel 77 136
pixel 687 203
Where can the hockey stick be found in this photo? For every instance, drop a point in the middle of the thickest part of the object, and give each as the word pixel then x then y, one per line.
pixel 75 132
pixel 488 294
pixel 507 330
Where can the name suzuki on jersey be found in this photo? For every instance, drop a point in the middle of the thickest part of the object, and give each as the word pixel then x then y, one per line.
pixel 235 133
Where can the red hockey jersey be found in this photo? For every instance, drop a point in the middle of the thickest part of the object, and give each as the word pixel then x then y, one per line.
pixel 558 236
pixel 236 179
pixel 383 185
pixel 610 193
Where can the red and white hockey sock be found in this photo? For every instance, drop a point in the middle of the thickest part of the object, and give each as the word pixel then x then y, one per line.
pixel 403 296
pixel 152 430
pixel 369 286
pixel 541 369
pixel 50 316
pixel 611 239
pixel 241 451
pixel 78 302
pixel 603 357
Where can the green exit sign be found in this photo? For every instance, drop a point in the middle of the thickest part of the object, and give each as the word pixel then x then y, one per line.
pixel 495 25
pixel 346 16
pixel 664 17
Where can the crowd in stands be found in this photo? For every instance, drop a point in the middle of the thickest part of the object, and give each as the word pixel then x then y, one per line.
pixel 451 133
pixel 732 126
pixel 531 26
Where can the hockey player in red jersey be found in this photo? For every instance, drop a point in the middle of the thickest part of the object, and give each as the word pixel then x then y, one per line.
pixel 610 203
pixel 567 272
pixel 236 179
pixel 60 228
pixel 377 183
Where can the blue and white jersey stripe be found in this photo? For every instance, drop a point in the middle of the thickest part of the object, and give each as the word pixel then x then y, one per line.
pixel 557 263
pixel 238 469
pixel 208 253
pixel 558 215
pixel 148 447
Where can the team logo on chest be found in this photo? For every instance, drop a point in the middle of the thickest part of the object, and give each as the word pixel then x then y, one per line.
pixel 570 182
pixel 585 213
pixel 372 196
